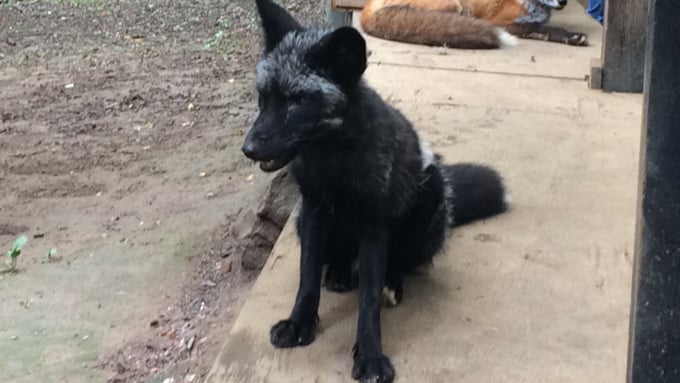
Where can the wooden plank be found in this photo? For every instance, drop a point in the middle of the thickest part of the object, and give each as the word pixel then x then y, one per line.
pixel 337 17
pixel 538 295
pixel 348 4
pixel 624 45
pixel 654 349
pixel 595 77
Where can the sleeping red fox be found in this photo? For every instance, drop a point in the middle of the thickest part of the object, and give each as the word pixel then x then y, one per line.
pixel 477 24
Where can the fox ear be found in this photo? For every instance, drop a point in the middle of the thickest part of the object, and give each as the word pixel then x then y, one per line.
pixel 342 53
pixel 276 23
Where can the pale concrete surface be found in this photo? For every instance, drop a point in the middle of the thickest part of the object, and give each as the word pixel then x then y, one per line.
pixel 540 294
pixel 530 58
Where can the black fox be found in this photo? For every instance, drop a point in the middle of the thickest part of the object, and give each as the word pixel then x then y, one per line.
pixel 376 202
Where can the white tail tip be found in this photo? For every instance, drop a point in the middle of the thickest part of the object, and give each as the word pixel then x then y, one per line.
pixel 506 38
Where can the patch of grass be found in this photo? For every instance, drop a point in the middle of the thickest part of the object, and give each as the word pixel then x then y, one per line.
pixel 216 40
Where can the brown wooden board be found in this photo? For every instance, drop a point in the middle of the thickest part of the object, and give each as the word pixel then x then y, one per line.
pixel 348 4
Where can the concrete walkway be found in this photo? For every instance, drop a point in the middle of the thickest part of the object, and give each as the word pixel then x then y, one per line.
pixel 540 294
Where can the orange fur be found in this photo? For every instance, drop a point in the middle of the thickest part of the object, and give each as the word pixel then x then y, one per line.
pixel 433 5
pixel 458 23
pixel 497 12
pixel 453 23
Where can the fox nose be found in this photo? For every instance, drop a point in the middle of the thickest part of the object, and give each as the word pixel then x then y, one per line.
pixel 248 149
pixel 562 2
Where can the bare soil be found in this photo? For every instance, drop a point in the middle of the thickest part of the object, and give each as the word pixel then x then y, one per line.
pixel 120 131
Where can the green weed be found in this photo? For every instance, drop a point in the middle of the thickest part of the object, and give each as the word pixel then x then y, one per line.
pixel 15 252
pixel 216 39
pixel 51 253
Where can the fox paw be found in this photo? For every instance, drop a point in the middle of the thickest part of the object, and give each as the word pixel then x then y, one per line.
pixel 391 297
pixel 372 369
pixel 576 39
pixel 286 334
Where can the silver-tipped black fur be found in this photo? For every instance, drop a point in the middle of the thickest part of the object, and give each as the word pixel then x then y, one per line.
pixel 376 202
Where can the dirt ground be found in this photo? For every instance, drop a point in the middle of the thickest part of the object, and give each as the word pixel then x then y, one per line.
pixel 120 131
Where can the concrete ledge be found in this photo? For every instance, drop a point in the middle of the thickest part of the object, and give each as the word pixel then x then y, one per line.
pixel 540 294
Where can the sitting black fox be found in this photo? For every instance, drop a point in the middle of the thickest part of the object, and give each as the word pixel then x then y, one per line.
pixel 376 202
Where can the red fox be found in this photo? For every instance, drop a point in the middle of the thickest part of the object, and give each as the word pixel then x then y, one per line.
pixel 474 24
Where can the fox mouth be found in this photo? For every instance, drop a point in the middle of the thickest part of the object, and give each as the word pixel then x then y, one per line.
pixel 271 165
pixel 275 164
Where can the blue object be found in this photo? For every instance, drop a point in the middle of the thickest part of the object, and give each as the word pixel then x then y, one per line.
pixel 596 10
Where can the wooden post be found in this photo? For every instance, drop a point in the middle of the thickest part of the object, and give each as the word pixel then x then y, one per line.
pixel 621 66
pixel 337 17
pixel 654 349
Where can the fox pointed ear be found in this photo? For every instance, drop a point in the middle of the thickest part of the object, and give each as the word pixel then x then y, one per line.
pixel 342 54
pixel 276 23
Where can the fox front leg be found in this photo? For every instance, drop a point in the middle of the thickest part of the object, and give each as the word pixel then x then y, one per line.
pixel 536 31
pixel 299 329
pixel 370 363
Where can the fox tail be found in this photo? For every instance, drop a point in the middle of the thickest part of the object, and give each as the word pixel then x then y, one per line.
pixel 407 24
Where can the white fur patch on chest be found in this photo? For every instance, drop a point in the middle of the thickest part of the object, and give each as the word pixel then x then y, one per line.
pixel 426 153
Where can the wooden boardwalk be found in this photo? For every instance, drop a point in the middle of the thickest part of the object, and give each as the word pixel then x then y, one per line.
pixel 540 294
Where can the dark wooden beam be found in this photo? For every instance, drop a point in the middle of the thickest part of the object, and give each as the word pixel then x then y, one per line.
pixel 654 350
pixel 623 46
pixel 356 5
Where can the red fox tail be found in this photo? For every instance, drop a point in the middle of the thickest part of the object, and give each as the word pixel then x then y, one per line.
pixel 407 24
